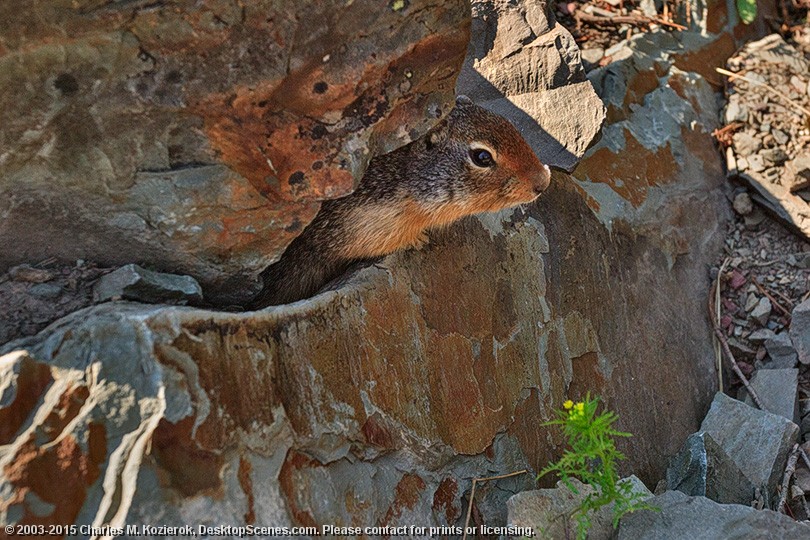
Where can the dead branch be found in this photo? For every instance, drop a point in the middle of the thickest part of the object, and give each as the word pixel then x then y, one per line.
pixel 726 350
pixel 472 494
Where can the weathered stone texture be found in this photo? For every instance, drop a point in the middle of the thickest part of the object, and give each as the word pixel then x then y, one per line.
pixel 198 137
pixel 526 68
pixel 379 400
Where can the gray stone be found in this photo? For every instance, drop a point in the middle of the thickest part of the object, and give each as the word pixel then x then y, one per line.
pixel 703 468
pixel 800 331
pixel 648 8
pixel 756 163
pixel 591 57
pixel 735 112
pixel 775 156
pixel 131 282
pixel 757 441
pixel 798 171
pixel 762 311
pixel 47 291
pixel 743 204
pixel 778 389
pixel 758 336
pixel 685 518
pixel 804 428
pixel 548 511
pixel 525 73
pixel 745 144
pixel 781 350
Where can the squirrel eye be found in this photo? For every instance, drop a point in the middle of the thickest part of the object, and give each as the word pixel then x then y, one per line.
pixel 481 157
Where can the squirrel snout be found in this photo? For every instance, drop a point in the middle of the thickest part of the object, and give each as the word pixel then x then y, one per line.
pixel 541 179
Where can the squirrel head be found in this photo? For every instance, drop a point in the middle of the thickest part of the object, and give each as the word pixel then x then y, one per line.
pixel 487 163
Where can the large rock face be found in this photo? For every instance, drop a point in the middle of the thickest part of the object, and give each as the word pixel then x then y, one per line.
pixel 528 69
pixel 377 402
pixel 200 136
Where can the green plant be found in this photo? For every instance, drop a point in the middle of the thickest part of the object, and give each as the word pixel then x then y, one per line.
pixel 592 459
pixel 747 9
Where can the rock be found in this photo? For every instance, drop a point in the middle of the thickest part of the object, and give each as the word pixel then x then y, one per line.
pixel 29 274
pixel 802 479
pixel 751 302
pixel 408 377
pixel 201 137
pixel 131 282
pixel 682 517
pixel 735 112
pixel 757 441
pixel 800 331
pixel 504 76
pixel 804 428
pixel 648 8
pixel 798 173
pixel 775 156
pixel 746 145
pixel 761 335
pixel 702 468
pixel 781 350
pixel 762 311
pixel 592 57
pixel 778 389
pixel 802 261
pixel 756 163
pixel 47 291
pixel 772 61
pixel 549 510
pixel 742 204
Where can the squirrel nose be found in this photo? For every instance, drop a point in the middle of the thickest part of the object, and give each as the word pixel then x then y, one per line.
pixel 541 179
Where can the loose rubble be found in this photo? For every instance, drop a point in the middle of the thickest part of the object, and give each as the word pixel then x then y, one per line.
pixel 766 115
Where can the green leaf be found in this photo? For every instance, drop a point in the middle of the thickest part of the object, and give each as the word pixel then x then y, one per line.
pixel 747 10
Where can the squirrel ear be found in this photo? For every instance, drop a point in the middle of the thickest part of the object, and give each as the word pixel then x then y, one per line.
pixel 463 101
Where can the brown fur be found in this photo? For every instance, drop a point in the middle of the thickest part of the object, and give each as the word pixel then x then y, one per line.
pixel 428 183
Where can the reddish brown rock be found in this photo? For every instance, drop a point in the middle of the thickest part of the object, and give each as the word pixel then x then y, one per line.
pixel 198 137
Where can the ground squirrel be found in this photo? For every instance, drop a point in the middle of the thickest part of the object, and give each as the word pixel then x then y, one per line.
pixel 472 161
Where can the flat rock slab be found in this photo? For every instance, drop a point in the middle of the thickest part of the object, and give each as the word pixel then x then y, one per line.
pixel 548 511
pixel 702 468
pixel 131 282
pixel 778 389
pixel 685 517
pixel 757 441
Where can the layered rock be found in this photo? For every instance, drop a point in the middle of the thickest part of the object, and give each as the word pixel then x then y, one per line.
pixel 378 401
pixel 199 136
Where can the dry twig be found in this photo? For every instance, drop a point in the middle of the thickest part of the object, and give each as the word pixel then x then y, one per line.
pixel 637 20
pixel 718 354
pixel 789 470
pixel 472 494
pixel 726 350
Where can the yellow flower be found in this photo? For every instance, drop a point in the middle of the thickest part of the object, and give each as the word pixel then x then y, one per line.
pixel 568 404
pixel 580 407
